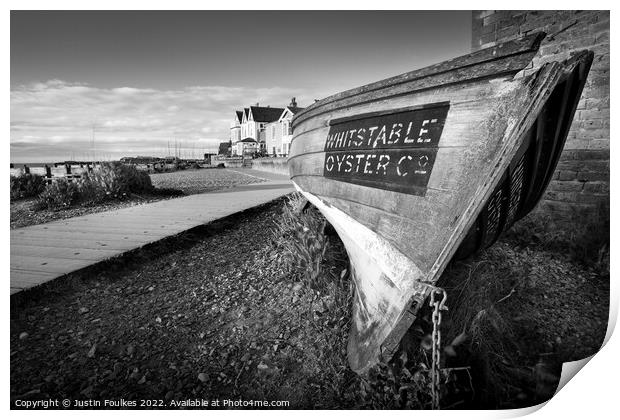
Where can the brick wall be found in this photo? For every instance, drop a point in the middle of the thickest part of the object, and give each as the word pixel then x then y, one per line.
pixel 580 184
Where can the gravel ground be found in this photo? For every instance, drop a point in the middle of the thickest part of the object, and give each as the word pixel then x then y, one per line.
pixel 216 317
pixel 195 181
pixel 189 182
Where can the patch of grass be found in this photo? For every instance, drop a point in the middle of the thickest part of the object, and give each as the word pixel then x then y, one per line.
pixel 308 249
pixel 26 186
pixel 301 241
pixel 112 181
pixel 57 195
pixel 494 299
pixel 108 182
pixel 477 318
pixel 301 237
pixel 513 304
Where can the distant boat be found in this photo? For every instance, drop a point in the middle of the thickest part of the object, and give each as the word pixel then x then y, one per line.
pixel 414 169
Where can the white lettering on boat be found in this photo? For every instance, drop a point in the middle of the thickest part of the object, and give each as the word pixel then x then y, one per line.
pixel 393 151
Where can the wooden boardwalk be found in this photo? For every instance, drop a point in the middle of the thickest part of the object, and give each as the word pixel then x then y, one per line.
pixel 45 252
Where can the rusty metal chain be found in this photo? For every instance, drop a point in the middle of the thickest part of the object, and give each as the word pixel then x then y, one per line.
pixel 438 306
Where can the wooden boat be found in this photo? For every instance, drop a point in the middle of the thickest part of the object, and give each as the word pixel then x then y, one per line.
pixel 419 167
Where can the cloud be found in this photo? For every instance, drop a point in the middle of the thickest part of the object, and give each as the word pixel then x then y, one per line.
pixel 57 120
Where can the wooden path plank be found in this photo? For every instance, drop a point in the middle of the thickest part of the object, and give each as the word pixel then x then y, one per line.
pixel 62 252
pixel 25 279
pixel 42 253
pixel 28 276
pixel 94 229
pixel 48 264
pixel 51 234
pixel 88 243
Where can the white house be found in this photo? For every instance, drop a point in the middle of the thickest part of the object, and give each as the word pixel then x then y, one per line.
pixel 278 134
pixel 253 123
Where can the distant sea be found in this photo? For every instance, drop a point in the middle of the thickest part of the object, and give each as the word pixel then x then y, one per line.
pixel 33 164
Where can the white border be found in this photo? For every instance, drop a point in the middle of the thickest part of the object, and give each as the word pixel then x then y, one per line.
pixel 591 395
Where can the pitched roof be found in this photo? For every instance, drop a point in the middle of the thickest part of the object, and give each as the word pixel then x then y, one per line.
pixel 247 140
pixel 295 109
pixel 239 115
pixel 266 114
pixel 292 109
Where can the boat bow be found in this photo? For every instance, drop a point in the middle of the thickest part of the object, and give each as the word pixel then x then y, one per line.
pixel 414 168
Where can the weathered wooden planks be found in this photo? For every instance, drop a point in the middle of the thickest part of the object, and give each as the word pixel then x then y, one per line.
pixel 72 242
pixel 53 265
pixel 76 253
pixel 42 235
pixel 466 97
pixel 42 253
pixel 96 229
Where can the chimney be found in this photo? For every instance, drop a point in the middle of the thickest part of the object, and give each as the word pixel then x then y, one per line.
pixel 257 104
pixel 293 102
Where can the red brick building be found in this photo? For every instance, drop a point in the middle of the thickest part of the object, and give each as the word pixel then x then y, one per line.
pixel 581 181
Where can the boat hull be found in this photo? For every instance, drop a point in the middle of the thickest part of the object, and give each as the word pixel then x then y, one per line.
pixel 418 168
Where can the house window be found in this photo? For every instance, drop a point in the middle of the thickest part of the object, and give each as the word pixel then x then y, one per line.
pixel 273 132
pixel 285 127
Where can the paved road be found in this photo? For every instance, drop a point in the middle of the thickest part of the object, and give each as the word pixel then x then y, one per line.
pixel 45 252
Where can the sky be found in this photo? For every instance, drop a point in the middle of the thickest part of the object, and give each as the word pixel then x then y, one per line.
pixel 108 84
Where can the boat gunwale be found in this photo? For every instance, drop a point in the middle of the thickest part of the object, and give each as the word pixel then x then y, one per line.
pixel 531 43
pixel 498 75
pixel 322 127
pixel 372 114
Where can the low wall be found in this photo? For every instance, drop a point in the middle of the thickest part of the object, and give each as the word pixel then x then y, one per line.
pixel 273 165
pixel 229 162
